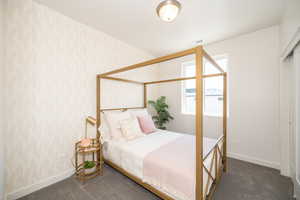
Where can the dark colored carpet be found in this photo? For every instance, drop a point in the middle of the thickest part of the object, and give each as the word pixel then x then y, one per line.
pixel 244 181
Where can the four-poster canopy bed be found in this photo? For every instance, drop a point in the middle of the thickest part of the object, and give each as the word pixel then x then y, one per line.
pixel 217 154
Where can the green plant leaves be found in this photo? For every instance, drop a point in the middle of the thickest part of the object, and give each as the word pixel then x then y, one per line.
pixel 163 116
pixel 89 164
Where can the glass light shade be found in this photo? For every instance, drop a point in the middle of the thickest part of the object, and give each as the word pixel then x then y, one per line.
pixel 168 10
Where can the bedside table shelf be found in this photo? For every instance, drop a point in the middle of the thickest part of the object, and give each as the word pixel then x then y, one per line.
pixel 84 174
pixel 90 154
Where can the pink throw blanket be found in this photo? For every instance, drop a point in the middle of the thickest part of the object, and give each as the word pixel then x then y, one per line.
pixel 172 167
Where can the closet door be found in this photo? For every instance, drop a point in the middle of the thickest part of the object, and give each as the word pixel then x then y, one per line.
pixel 297 120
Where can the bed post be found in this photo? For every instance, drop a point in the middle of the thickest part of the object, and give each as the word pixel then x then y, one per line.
pixel 98 105
pixel 145 95
pixel 199 128
pixel 225 121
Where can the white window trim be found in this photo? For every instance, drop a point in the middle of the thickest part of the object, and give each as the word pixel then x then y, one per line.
pixel 183 110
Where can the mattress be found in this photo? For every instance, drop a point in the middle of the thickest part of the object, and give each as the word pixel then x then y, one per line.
pixel 130 155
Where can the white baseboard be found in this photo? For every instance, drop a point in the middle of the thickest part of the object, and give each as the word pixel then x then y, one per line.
pixel 37 186
pixel 254 160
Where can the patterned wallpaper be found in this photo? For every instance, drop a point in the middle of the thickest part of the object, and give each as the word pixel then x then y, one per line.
pixel 1 101
pixel 51 68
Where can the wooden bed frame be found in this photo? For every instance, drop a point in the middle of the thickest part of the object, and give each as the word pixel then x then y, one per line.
pixel 219 151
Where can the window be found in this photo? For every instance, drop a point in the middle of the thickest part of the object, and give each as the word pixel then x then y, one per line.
pixel 213 88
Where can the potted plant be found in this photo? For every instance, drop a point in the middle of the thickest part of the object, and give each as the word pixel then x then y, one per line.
pixel 88 166
pixel 163 116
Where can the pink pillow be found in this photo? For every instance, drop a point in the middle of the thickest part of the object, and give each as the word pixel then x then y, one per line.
pixel 146 124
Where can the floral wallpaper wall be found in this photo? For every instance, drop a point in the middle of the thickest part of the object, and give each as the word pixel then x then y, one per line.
pixel 50 81
pixel 1 100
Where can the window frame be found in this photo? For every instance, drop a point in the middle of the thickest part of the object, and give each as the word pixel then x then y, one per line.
pixel 183 86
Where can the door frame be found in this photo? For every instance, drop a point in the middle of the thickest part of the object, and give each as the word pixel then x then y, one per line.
pixel 296 58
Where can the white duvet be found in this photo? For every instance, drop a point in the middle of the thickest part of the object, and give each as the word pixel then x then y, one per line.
pixel 130 155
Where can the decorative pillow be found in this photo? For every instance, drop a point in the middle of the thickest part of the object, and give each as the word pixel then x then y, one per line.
pixel 139 112
pixel 113 120
pixel 104 130
pixel 131 129
pixel 146 124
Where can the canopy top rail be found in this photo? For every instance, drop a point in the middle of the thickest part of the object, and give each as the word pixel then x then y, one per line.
pixel 163 59
pixel 161 81
pixel 183 78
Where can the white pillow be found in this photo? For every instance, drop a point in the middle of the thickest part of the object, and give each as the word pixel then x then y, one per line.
pixel 104 130
pixel 131 129
pixel 113 120
pixel 139 112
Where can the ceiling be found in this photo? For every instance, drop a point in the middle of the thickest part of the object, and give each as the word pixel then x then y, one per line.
pixel 135 21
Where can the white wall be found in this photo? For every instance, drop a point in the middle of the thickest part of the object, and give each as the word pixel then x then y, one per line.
pixel 253 95
pixel 253 125
pixel 51 68
pixel 1 99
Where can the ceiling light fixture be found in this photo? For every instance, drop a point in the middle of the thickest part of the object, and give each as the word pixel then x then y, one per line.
pixel 168 10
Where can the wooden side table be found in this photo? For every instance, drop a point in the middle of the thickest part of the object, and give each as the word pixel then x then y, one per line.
pixel 84 155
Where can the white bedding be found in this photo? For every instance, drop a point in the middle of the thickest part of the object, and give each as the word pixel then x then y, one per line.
pixel 130 155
